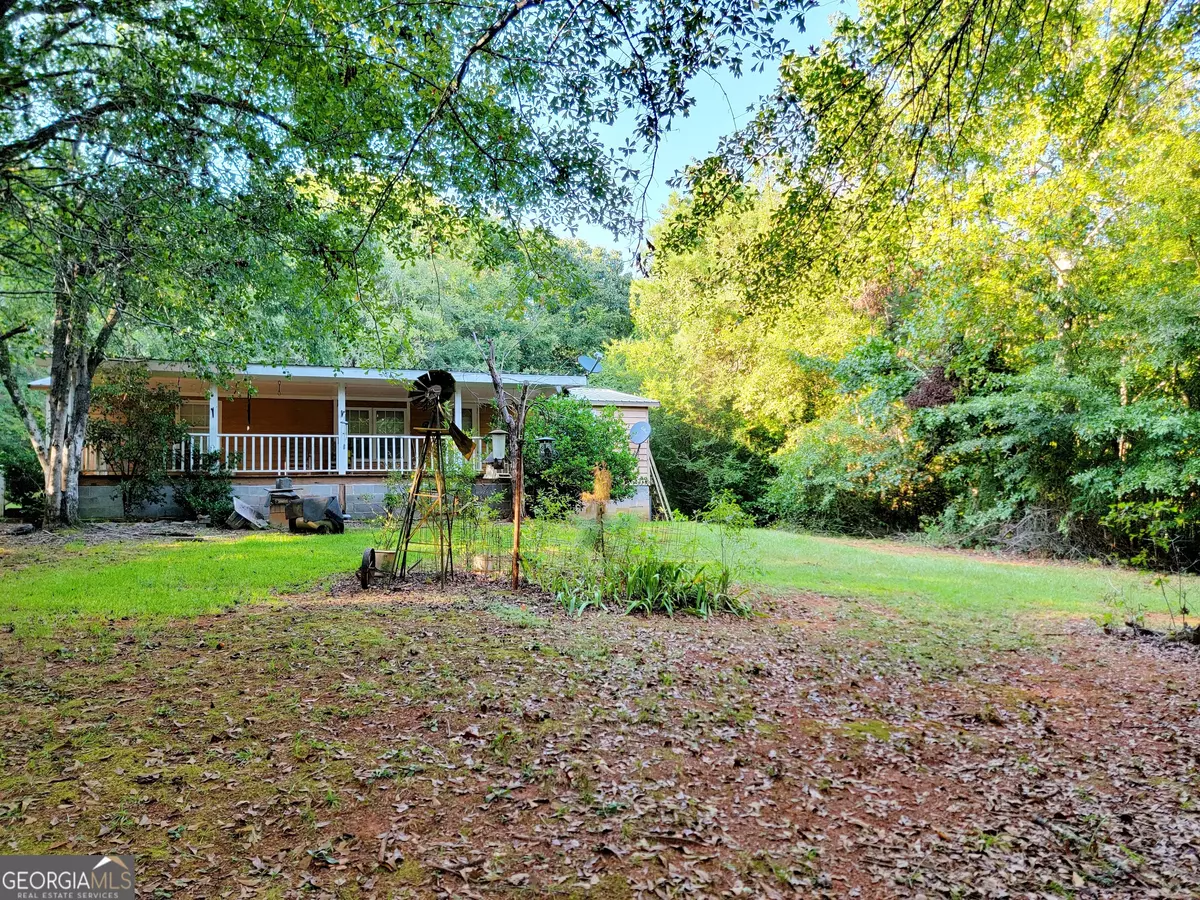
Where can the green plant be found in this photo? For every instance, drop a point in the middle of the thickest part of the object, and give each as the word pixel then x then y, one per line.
pixel 647 569
pixel 581 439
pixel 206 486
pixel 19 467
pixel 135 430
pixel 651 584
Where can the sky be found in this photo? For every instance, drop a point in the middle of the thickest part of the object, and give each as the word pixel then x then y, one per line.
pixel 721 108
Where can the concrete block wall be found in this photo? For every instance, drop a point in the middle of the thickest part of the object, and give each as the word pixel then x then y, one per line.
pixel 364 500
pixel 103 501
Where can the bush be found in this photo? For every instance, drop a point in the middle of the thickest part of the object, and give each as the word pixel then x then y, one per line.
pixel 698 465
pixel 583 439
pixel 206 488
pixel 842 474
pixel 133 426
pixel 20 467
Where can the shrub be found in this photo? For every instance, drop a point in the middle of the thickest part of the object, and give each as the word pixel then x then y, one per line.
pixel 206 487
pixel 847 474
pixel 20 468
pixel 133 426
pixel 582 440
pixel 698 465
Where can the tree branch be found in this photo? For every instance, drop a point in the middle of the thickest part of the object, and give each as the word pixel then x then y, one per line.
pixel 47 133
pixel 9 377
pixel 452 88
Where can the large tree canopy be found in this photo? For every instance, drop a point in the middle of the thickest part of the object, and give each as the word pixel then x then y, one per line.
pixel 221 170
pixel 985 325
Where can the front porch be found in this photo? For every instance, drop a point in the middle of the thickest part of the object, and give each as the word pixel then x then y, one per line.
pixel 302 454
pixel 312 422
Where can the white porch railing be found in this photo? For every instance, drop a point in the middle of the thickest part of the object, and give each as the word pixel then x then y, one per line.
pixel 396 452
pixel 282 454
pixel 300 454
pixel 189 448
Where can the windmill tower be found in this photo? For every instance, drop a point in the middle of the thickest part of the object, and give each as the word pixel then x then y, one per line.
pixel 426 540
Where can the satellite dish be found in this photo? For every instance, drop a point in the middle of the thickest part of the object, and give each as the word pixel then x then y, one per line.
pixel 639 432
pixel 590 364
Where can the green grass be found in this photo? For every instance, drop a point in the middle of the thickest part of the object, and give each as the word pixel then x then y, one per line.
pixel 38 586
pixel 933 583
pixel 169 579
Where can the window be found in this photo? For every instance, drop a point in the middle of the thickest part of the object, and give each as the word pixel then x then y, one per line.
pixel 194 414
pixel 468 419
pixel 389 421
pixel 375 421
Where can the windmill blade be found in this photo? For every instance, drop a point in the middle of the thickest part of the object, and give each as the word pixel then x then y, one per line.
pixel 432 389
pixel 465 445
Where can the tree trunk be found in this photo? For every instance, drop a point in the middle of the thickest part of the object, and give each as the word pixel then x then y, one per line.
pixel 70 397
pixel 518 482
pixel 74 358
pixel 512 411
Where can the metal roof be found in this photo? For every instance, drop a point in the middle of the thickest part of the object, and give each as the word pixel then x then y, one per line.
pixel 352 373
pixel 598 396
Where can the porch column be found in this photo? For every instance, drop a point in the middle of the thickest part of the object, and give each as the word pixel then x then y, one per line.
pixel 457 406
pixel 343 444
pixel 214 426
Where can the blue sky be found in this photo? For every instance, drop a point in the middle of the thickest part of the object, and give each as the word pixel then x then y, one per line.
pixel 721 107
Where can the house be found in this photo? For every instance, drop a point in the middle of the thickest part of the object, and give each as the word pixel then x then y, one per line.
pixel 334 432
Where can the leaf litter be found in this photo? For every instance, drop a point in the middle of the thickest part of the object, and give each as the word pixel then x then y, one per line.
pixel 418 744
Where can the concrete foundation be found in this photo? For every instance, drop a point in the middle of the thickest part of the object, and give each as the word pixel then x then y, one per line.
pixel 361 500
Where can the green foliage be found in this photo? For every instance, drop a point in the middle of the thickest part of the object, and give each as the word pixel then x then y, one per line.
pixel 19 466
pixel 649 584
pixel 542 311
pixel 638 567
pixel 205 488
pixel 583 439
pixel 989 328
pixel 135 429
pixel 845 473
pixel 697 465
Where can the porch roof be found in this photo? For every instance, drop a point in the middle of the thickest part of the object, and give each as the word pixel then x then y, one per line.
pixel 598 396
pixel 348 374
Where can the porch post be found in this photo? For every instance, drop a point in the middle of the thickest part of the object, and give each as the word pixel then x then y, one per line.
pixel 343 444
pixel 214 411
pixel 457 406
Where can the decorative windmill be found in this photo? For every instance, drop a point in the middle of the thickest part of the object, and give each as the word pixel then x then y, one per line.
pixel 427 528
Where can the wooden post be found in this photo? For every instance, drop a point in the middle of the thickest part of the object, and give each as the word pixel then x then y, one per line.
pixel 343 426
pixel 214 425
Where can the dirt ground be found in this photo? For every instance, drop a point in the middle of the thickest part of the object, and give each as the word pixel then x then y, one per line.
pixel 474 743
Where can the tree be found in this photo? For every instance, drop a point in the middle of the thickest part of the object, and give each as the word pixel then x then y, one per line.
pixel 543 309
pixel 221 172
pixel 513 410
pixel 865 128
pixel 136 430
pixel 580 441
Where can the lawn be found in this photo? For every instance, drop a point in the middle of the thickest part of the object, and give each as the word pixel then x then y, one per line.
pixel 937 583
pixel 478 743
pixel 40 587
